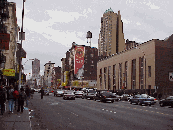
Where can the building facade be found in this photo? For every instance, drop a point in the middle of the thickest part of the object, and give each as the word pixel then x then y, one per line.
pixel 143 68
pixel 48 75
pixel 111 38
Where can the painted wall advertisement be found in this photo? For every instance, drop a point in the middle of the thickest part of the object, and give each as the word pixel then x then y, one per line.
pixel 79 61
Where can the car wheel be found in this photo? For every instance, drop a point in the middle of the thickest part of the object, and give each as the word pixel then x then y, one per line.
pixel 112 101
pixel 161 104
pixel 139 103
pixel 149 104
pixel 130 102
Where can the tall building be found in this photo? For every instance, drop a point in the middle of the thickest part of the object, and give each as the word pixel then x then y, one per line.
pixel 111 37
pixel 35 68
pixel 48 74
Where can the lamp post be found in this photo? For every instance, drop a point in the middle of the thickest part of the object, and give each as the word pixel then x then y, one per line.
pixel 20 58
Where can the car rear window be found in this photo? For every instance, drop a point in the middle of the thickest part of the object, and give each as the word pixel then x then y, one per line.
pixel 92 91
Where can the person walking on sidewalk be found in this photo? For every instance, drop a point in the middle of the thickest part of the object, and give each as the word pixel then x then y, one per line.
pixel 28 93
pixel 42 92
pixel 2 100
pixel 11 99
pixel 16 95
pixel 21 99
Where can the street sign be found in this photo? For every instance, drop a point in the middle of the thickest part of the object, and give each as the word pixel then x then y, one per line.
pixel 170 76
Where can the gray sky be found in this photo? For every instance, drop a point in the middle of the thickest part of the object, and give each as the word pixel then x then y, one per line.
pixel 52 25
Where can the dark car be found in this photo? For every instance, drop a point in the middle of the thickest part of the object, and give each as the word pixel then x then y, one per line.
pixel 107 96
pixel 140 100
pixel 166 102
pixel 89 94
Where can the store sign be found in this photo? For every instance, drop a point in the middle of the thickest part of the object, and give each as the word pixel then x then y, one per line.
pixel 4 41
pixel 9 72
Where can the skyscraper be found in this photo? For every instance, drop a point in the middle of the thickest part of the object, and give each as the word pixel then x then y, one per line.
pixel 35 68
pixel 111 38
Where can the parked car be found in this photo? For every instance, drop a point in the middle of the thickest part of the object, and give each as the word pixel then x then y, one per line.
pixel 79 94
pixel 166 102
pixel 107 96
pixel 140 100
pixel 124 97
pixel 89 94
pixel 69 94
pixel 58 92
pixel 46 92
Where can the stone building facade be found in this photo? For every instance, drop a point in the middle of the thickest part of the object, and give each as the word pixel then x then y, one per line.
pixel 143 68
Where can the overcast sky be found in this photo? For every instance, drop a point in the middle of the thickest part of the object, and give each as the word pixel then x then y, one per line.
pixel 52 25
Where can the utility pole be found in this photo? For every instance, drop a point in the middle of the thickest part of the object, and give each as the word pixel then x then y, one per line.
pixel 20 57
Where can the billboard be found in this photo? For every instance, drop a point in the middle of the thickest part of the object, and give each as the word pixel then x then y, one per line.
pixel 9 72
pixel 79 61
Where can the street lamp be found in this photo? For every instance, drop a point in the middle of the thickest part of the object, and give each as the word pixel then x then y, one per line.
pixel 22 38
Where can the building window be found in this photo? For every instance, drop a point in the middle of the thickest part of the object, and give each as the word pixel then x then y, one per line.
pixel 141 72
pixel 120 76
pixel 114 75
pixel 100 77
pixel 109 77
pixel 105 72
pixel 125 75
pixel 149 71
pixel 133 74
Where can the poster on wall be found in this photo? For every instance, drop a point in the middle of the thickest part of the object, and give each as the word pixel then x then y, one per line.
pixel 79 61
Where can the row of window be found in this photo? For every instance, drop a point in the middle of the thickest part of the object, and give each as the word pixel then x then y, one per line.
pixel 122 76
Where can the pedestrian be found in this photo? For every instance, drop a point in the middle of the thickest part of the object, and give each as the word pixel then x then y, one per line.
pixel 160 96
pixel 2 100
pixel 16 95
pixel 42 92
pixel 28 93
pixel 11 99
pixel 21 99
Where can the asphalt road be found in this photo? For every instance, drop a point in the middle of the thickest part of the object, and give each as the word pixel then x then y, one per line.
pixel 54 113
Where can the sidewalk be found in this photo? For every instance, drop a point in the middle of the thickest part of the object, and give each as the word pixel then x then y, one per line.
pixel 15 121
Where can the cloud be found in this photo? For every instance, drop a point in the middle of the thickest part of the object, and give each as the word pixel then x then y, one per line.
pixel 151 5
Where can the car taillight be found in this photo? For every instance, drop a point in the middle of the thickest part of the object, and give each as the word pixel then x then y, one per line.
pixel 104 96
pixel 154 99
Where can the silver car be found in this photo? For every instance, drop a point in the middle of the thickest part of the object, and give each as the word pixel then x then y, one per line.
pixel 69 94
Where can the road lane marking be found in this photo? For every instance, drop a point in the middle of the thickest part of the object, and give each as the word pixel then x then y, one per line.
pixel 110 111
pixel 157 112
pixel 146 110
pixel 114 112
pixel 103 109
pixel 140 109
pixel 106 110
pixel 152 111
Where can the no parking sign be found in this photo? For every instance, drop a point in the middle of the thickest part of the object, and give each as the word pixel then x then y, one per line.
pixel 170 76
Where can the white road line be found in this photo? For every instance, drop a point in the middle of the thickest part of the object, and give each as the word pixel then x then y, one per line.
pixel 114 112
pixel 110 111
pixel 106 110
pixel 103 109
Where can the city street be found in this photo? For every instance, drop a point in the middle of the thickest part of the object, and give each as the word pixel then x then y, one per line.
pixel 55 113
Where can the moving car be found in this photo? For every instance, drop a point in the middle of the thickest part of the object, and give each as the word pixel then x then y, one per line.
pixel 166 102
pixel 58 92
pixel 79 94
pixel 69 94
pixel 140 100
pixel 107 96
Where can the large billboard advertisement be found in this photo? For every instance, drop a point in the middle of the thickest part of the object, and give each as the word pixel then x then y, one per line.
pixel 79 61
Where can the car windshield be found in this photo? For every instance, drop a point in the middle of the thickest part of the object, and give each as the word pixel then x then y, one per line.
pixel 91 91
pixel 79 92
